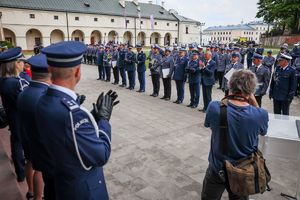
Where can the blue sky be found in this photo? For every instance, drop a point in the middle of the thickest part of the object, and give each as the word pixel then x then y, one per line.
pixel 214 12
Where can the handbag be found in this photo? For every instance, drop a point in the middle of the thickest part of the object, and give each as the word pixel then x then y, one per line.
pixel 246 176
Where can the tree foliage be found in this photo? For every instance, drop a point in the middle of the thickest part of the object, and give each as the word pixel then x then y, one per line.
pixel 282 13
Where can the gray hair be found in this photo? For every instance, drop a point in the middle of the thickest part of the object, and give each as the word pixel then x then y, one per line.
pixel 243 82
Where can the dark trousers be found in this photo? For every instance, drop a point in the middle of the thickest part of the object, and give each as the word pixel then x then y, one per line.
pixel 84 58
pixel 107 72
pixel 95 59
pixel 281 107
pixel 116 75
pixel 258 99
pixel 49 188
pixel 89 59
pixel 123 75
pixel 156 83
pixel 142 80
pixel 180 90
pixel 226 93
pixel 167 87
pixel 298 87
pixel 216 74
pixel 220 77
pixel 131 79
pixel 249 62
pixel 195 93
pixel 214 186
pixel 206 95
pixel 17 153
pixel 101 72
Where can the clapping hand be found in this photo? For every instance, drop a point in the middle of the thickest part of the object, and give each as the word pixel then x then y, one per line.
pixel 102 109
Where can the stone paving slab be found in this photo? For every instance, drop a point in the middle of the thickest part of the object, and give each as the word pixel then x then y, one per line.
pixel 160 149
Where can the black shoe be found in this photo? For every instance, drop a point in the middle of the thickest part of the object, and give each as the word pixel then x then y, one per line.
pixel 155 95
pixel 152 94
pixel 167 99
pixel 163 97
pixel 202 110
pixel 139 91
pixel 122 85
pixel 142 91
pixel 193 106
pixel 29 195
pixel 98 78
pixel 190 105
pixel 176 101
pixel 179 102
pixel 131 88
pixel 128 88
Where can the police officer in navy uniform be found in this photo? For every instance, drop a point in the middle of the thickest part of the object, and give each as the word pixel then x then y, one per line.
pixel 269 60
pixel 130 61
pixel 36 155
pixel 94 54
pixel 155 70
pixel 179 74
pixel 235 64
pixel 11 85
pixel 263 76
pixel 141 68
pixel 207 78
pixel 283 50
pixel 167 66
pixel 175 52
pixel 260 50
pixel 283 85
pixel 193 71
pixel 101 69
pixel 115 55
pixel 190 51
pixel 250 52
pixel 201 53
pixel 79 142
pixel 223 62
pixel 122 66
pixel 107 62
pixel 297 68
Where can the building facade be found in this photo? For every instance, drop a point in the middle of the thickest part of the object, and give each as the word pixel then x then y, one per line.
pixel 232 33
pixel 28 23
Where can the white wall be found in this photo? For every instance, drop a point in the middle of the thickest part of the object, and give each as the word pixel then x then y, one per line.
pixel 19 22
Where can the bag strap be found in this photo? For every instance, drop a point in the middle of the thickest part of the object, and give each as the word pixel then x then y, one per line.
pixel 256 177
pixel 223 129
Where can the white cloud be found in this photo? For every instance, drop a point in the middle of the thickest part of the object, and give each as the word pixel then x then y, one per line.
pixel 214 12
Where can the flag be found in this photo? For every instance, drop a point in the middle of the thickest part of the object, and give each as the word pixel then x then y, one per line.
pixel 152 22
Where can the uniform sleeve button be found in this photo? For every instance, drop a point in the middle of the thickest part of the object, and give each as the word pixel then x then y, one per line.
pixel 100 182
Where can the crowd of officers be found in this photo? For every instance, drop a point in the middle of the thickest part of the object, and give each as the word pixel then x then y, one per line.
pixel 201 67
pixel 66 146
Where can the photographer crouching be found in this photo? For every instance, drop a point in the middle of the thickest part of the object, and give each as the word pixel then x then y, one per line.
pixel 236 123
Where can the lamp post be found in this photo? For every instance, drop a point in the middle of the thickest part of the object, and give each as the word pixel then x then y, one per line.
pixel 200 26
pixel 1 29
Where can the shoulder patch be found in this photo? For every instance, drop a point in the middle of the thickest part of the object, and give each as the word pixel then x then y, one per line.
pixel 70 104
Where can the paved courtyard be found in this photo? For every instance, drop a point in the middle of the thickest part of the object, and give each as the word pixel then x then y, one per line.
pixel 160 149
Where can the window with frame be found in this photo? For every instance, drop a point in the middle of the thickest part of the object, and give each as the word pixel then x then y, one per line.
pixel 112 20
pixel 142 22
pixel 155 23
pixel 55 17
pixel 186 30
pixel 95 19
pixel 32 16
pixel 127 21
pixel 168 24
pixel 76 18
